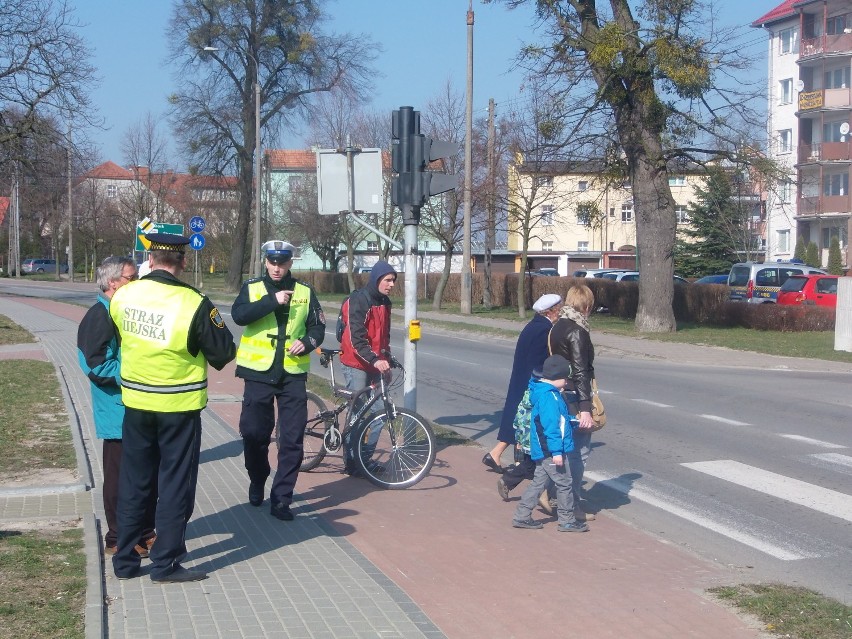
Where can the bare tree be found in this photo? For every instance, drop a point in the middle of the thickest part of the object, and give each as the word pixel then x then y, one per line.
pixel 222 48
pixel 663 73
pixel 44 70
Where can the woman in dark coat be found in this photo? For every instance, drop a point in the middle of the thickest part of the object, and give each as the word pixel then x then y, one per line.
pixel 530 353
pixel 570 338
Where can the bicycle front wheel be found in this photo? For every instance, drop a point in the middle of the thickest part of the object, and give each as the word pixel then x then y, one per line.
pixel 313 442
pixel 396 453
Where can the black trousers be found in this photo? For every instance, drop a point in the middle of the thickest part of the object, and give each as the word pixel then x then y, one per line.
pixel 112 466
pixel 160 452
pixel 257 421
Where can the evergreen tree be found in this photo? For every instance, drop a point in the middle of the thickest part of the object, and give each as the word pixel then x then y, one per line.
pixel 812 255
pixel 717 229
pixel 835 261
pixel 801 250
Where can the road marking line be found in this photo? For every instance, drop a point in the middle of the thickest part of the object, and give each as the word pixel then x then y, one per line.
pixel 659 501
pixel 724 420
pixel 834 458
pixel 650 403
pixel 821 499
pixel 812 442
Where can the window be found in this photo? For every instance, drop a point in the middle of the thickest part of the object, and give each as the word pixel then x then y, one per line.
pixel 789 40
pixel 584 214
pixel 837 184
pixel 783 240
pixel 372 246
pixel 582 246
pixel 547 245
pixel 112 190
pixel 785 192
pixel 785 141
pixel 547 215
pixel 830 232
pixel 544 180
pixel 786 91
pixel 627 212
pixel 582 185
pixel 835 25
pixel 677 180
pixel 682 215
pixel 831 132
pixel 837 78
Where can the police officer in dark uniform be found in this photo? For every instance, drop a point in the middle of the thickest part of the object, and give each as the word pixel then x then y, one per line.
pixel 283 323
pixel 169 332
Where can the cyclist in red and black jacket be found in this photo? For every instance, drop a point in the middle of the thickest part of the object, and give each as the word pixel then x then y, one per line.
pixel 366 337
pixel 365 342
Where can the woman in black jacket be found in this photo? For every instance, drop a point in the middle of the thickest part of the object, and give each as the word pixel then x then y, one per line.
pixel 570 338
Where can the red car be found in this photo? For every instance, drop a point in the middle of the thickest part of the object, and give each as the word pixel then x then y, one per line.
pixel 819 290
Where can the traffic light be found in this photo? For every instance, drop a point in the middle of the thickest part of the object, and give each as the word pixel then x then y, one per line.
pixel 411 153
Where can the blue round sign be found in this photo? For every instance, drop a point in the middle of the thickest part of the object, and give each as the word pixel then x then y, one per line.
pixel 197 224
pixel 196 241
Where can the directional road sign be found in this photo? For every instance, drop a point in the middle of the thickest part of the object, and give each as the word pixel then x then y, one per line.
pixel 197 224
pixel 155 227
pixel 196 241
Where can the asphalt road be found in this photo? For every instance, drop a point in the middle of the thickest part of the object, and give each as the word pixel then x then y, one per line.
pixel 746 466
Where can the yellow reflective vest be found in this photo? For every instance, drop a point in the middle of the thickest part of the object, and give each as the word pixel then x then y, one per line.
pixel 157 371
pixel 257 345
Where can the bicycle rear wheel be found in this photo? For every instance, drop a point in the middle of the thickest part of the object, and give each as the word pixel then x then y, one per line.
pixel 315 428
pixel 396 453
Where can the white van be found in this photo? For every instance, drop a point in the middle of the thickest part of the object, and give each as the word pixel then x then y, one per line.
pixel 759 282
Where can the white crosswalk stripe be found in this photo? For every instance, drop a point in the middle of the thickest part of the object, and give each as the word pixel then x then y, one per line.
pixel 799 492
pixel 832 461
pixel 810 441
pixel 745 528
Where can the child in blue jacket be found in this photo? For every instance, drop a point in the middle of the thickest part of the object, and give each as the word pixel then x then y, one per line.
pixel 551 438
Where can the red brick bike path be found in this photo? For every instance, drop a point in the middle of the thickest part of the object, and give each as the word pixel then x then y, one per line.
pixel 449 544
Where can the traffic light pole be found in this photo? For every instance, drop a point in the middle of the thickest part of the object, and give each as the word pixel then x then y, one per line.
pixel 410 353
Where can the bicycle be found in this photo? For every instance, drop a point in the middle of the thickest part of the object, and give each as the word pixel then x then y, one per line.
pixel 394 448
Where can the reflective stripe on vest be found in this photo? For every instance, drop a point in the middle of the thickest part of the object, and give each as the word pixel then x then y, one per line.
pixel 257 344
pixel 157 372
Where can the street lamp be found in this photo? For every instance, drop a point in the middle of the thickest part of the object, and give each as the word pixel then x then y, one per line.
pixel 255 248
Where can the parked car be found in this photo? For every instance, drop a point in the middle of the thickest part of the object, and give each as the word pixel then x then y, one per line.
pixel 818 290
pixel 37 265
pixel 759 282
pixel 552 272
pixel 597 272
pixel 712 279
pixel 633 276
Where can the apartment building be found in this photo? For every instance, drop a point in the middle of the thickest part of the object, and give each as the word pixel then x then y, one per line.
pixel 809 109
pixel 579 216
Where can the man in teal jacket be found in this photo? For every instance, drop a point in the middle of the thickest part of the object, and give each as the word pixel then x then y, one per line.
pixel 98 354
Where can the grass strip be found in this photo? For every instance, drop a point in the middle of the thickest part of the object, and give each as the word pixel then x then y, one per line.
pixel 34 430
pixel 789 611
pixel 11 333
pixel 42 584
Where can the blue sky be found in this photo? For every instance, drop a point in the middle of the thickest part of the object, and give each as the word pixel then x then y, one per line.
pixel 424 42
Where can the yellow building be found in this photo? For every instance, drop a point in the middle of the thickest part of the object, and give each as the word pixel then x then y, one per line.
pixel 578 216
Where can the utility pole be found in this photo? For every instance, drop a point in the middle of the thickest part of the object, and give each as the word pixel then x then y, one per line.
pixel 70 212
pixel 491 205
pixel 466 283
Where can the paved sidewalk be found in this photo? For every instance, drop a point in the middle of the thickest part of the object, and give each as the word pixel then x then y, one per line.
pixel 437 560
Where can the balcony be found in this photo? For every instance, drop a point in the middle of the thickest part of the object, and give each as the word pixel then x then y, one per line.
pixel 824 205
pixel 837 43
pixel 825 152
pixel 825 99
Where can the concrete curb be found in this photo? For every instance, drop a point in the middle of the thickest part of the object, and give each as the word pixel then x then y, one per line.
pixel 95 597
pixel 84 466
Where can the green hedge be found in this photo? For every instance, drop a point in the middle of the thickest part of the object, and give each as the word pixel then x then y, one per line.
pixel 704 304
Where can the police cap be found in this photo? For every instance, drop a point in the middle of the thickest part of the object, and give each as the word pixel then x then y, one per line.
pixel 167 242
pixel 278 251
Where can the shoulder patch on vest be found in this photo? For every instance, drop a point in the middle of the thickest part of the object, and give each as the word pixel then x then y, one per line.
pixel 217 320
